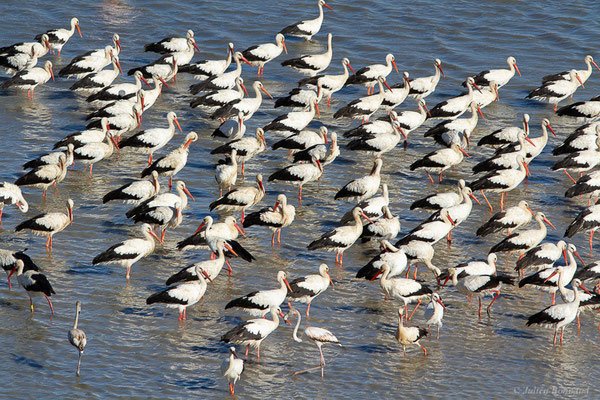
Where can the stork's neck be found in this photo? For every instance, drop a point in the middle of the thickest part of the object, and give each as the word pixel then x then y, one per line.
pixel 76 318
pixel 329 39
pixel 228 59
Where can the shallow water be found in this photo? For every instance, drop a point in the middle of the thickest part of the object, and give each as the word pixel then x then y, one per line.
pixel 141 352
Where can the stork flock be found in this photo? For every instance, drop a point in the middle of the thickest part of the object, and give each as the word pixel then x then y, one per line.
pixel 222 95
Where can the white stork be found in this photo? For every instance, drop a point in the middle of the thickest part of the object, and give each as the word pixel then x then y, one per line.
pixel 299 174
pixel 48 224
pixel 183 57
pixel 130 251
pixel 411 120
pixel 455 106
pixel 500 76
pixel 328 84
pixel 364 107
pixel 88 63
pixel 77 337
pixel 305 289
pixel 163 199
pixel 409 335
pixel 579 161
pixel 419 252
pixel 39 48
pixel 165 68
pixel 457 130
pixel 473 268
pixel 29 79
pixel 369 75
pixel 17 62
pixel 11 194
pixel 253 331
pixel 582 139
pixel 397 94
pixel 423 87
pixel 320 152
pixel 226 172
pixel 173 162
pixel 225 80
pixel 364 187
pixel 118 91
pixel 280 216
pixel 543 256
pixel 94 82
pixel 205 69
pixel 134 192
pixel 430 231
pixel 341 238
pixel 379 143
pixel 210 267
pixel 59 37
pixel 583 74
pixel 294 121
pixel 258 303
pixel 246 147
pixel 92 153
pixel 506 156
pixel 480 286
pixel 508 220
pixel 299 99
pixel 162 217
pixel 440 160
pixel 372 207
pixel 487 96
pixel 437 201
pixel 501 181
pixel 302 140
pixel 261 54
pixel 505 135
pixel 554 92
pixel 306 29
pixel 45 175
pixel 381 126
pixel 587 220
pixel 393 256
pixel 151 140
pixel 92 135
pixel 311 65
pixel 386 227
pixel 247 106
pixel 587 184
pixel 35 284
pixel 434 313
pixel 212 101
pixel 170 44
pixel 241 198
pixel 181 296
pixel 522 241
pixel 232 369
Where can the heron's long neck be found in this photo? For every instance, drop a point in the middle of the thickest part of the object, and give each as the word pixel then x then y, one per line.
pixel 295 333
pixel 76 318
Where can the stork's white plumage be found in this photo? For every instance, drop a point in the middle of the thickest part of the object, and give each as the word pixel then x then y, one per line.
pixel 480 286
pixel 212 267
pixel 341 238
pixel 522 241
pixel 91 153
pixel 554 92
pixel 583 74
pixel 587 220
pixel 587 184
pixel 589 109
pixel 207 68
pixel 430 231
pixel 96 81
pixel 382 125
pixel 579 161
pixel 455 106
pixel 231 129
pixel 184 56
pixel 500 76
pixel 29 79
pixel 386 227
pixel 170 44
pixel 226 172
pixel 306 29
pixel 130 251
pixel 506 156
pixel 302 140
pixel 232 369
pixel 261 54
pixel 258 303
pixel 394 257
pixel 135 192
pixel 473 268
pixel 440 160
pixel 369 75
pixel 241 198
pixel 17 56
pixel 364 187
pixel 424 86
pixel 501 181
pixel 379 143
pixel 505 135
pixel 48 224
pixel 328 84
pixel 45 175
pixel 88 63
pixel 165 68
pixel 294 121
pixel 372 207
pixel 181 296
pixel 437 201
pixel 559 315
pixel 225 80
pixel 118 91
pixel 434 313
pixel 212 101
pixel 253 331
pixel 246 147
pixel 163 199
pixel 11 194
pixel 419 252
pixel 320 152
pixel 311 65
pixel 542 256
pixel 93 135
pixel 59 37
pixel 299 174
pixel 487 96
pixel 457 130
pixel 364 107
pixel 281 215
pixel 8 262
pixel 460 212
pixel 397 94
pixel 150 140
pixel 162 218
pixel 173 162
pixel 305 289
pixel 508 220
pixel 35 284
pixel 407 290
pixel 299 99
pixel 411 120
pixel 247 106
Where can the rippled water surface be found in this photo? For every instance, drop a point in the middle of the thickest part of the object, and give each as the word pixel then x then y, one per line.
pixel 142 352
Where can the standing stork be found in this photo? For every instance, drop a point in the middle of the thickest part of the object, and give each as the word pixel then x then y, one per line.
pixel 306 29
pixel 128 252
pixel 505 135
pixel 225 80
pixel 386 227
pixel 88 63
pixel 319 336
pixel 364 187
pixel 473 268
pixel 8 262
pixel 91 153
pixel 181 296
pixel 210 267
pixel 437 201
pixel 409 335
pixel 11 194
pixel 500 76
pixel 543 256
pixel 261 54
pixel 554 92
pixel 523 241
pixel 232 369
pixel 246 106
pixel 48 224
pixel 434 313
pixel 241 198
pixel 77 337
pixel 579 161
pixel 480 286
pixel 29 79
pixel 311 65
pixel 171 44
pixel 173 162
pixel 96 81
pixel 280 216
pixel 587 220
pixel 341 238
pixel 226 172
pixel 258 303
pixel 328 84
pixel 583 74
pixel 35 284
pixel 589 109
pixel 393 256
pixel 559 315
pixel 205 69
pixel 369 75
pixel 424 86
pixel 45 175
pixel 294 121
pixel 397 94
pixel 163 199
pixel 455 106
pixel 299 174
pixel 134 192
pixel 457 130
pixel 440 160
pixel 212 101
pixel 40 47
pixel 59 37
pixel 508 220
pixel 246 147
pixel 372 207
pixel 430 231
pixel 253 331
pixel 305 289
pixel 119 91
pixel 364 107
pixel 378 144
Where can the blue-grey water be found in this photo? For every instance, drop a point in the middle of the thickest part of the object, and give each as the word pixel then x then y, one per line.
pixel 138 351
